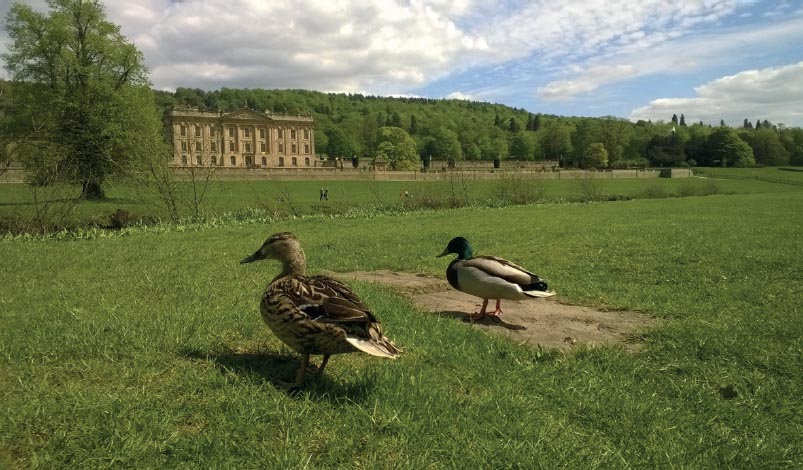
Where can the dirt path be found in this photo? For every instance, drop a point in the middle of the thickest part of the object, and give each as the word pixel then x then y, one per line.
pixel 547 323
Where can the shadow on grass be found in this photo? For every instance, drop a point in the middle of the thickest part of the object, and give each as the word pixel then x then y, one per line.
pixel 278 369
pixel 487 321
pixel 110 200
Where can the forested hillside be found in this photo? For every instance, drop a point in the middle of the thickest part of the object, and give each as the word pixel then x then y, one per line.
pixel 349 124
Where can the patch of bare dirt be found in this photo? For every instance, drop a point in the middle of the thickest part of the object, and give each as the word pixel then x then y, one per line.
pixel 543 322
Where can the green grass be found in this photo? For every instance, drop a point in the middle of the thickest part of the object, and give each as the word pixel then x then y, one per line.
pixel 145 348
pixel 55 208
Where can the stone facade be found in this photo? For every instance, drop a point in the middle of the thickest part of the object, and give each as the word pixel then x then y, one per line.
pixel 241 139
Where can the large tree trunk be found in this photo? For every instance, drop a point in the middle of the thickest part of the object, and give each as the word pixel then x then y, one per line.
pixel 91 189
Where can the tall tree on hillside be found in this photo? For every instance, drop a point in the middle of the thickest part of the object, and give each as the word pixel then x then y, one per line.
pixel 758 123
pixel 87 91
pixel 675 119
pixel 721 123
pixel 747 124
pixel 515 127
pixel 537 122
pixel 682 120
pixel 413 125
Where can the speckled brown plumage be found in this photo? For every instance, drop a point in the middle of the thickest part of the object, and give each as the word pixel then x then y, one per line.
pixel 315 314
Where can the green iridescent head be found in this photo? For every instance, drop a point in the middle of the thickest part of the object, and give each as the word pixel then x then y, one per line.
pixel 460 247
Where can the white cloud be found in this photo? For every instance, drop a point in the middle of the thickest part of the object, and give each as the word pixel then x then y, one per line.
pixel 774 93
pixel 321 44
pixel 588 81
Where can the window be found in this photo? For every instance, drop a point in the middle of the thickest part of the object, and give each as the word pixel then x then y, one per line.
pixel 233 160
pixel 263 147
pixel 183 146
pixel 247 132
pixel 212 131
pixel 212 161
pixel 281 161
pixel 281 147
pixel 264 161
pixel 197 131
pixel 231 146
pixel 293 149
pixel 292 134
pixel 280 132
pixel 295 161
pixel 199 145
pixel 306 134
pixel 183 159
pixel 306 148
pixel 248 147
pixel 214 147
pixel 198 159
pixel 183 130
pixel 306 161
pixel 231 131
pixel 262 133
pixel 249 161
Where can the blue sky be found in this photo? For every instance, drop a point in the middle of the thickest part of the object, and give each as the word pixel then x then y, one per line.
pixel 636 59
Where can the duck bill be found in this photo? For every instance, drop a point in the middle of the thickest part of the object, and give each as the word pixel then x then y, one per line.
pixel 445 252
pixel 250 259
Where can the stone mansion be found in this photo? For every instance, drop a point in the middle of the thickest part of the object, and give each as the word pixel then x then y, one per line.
pixel 241 139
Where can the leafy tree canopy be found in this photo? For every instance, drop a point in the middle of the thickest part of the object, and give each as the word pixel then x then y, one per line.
pixel 83 108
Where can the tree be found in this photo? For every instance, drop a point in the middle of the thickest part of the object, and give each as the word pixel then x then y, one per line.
pixel 396 145
pixel 515 127
pixel 682 120
pixel 88 90
pixel 339 145
pixel 675 119
pixel 557 141
pixel 413 125
pixel 522 146
pixel 725 148
pixel 597 156
pixel 666 150
pixel 767 146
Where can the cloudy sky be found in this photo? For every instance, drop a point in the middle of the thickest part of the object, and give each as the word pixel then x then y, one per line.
pixel 637 59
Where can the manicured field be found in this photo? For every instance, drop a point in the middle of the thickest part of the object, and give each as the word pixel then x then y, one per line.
pixel 144 348
pixel 25 208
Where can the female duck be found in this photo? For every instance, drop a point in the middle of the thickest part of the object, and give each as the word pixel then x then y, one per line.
pixel 315 314
pixel 489 277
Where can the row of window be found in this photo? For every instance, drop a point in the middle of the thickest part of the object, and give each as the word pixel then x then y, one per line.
pixel 246 132
pixel 247 148
pixel 249 161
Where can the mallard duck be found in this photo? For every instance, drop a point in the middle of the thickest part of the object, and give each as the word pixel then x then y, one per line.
pixel 315 314
pixel 490 277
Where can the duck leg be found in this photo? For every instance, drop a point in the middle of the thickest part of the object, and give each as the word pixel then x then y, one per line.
pixel 323 363
pixel 299 375
pixel 481 314
pixel 498 310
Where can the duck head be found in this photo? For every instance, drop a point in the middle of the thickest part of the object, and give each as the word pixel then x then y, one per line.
pixel 460 247
pixel 283 247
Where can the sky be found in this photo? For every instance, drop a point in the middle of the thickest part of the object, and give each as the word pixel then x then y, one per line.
pixel 710 60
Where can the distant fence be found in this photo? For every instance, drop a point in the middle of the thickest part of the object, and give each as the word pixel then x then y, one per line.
pixel 16 175
pixel 250 174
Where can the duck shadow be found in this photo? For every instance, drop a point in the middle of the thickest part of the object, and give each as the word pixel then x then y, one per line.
pixel 486 321
pixel 277 369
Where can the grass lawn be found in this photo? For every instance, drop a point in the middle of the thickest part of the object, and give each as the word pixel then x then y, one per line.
pixel 145 348
pixel 35 208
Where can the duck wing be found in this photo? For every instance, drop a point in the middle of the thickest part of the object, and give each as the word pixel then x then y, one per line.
pixel 503 269
pixel 327 300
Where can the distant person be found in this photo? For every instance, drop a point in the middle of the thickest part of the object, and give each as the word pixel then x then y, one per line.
pixel 322 194
pixel 325 194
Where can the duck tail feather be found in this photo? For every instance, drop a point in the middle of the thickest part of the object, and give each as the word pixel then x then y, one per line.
pixel 384 348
